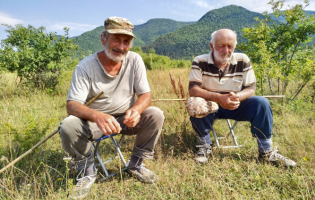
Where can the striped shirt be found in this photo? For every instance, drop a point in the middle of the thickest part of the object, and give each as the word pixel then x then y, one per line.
pixel 237 76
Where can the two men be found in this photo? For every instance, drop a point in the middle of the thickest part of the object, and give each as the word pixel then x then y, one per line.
pixel 221 76
pixel 228 79
pixel 121 75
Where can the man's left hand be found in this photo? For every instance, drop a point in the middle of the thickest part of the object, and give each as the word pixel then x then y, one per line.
pixel 132 118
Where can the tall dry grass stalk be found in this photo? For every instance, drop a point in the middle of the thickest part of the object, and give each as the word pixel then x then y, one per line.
pixel 174 85
pixel 181 87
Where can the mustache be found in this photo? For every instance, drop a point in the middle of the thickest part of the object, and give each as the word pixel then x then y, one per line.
pixel 118 50
pixel 225 54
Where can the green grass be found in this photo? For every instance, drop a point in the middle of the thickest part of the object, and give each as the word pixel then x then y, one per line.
pixel 27 116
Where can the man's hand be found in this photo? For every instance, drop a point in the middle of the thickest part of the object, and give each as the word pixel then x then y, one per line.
pixel 132 118
pixel 107 123
pixel 229 101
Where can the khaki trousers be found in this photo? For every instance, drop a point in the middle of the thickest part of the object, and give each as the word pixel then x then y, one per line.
pixel 76 134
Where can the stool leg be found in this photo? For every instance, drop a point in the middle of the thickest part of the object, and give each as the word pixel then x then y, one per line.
pixel 99 157
pixel 231 130
pixel 215 137
pixel 119 152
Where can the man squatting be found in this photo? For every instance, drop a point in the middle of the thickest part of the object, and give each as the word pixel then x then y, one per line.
pixel 121 74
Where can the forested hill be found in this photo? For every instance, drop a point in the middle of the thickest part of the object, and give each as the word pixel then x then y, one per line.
pixel 154 28
pixel 145 33
pixel 193 40
pixel 90 42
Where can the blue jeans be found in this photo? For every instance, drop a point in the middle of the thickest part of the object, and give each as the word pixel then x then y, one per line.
pixel 255 109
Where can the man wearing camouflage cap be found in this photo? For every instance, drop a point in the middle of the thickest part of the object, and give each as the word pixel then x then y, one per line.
pixel 121 75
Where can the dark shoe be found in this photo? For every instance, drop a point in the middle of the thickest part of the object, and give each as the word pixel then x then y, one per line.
pixel 276 158
pixel 143 174
pixel 203 153
pixel 82 188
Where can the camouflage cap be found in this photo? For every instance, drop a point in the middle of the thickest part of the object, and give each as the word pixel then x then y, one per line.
pixel 119 25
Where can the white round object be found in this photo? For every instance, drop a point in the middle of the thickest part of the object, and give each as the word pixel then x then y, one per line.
pixel 199 107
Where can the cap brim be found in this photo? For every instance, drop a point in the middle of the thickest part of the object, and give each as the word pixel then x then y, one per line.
pixel 119 31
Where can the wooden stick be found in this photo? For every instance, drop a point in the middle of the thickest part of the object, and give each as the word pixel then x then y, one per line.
pixel 267 96
pixel 274 96
pixel 154 100
pixel 42 141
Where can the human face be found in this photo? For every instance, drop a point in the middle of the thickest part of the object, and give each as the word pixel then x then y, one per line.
pixel 117 46
pixel 223 48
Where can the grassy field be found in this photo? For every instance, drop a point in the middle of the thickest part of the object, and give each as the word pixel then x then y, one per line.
pixel 27 116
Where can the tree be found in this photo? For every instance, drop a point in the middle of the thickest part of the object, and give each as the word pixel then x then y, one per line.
pixel 273 45
pixel 35 55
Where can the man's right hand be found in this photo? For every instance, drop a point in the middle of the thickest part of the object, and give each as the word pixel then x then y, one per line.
pixel 107 123
pixel 229 101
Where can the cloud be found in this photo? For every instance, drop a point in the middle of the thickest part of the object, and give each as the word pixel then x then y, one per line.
pixel 262 5
pixel 141 21
pixel 202 4
pixel 6 19
pixel 185 14
pixel 73 26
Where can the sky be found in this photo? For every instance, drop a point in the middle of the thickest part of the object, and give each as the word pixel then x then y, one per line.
pixel 83 15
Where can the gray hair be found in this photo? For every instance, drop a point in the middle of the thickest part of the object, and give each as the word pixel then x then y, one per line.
pixel 214 34
pixel 105 34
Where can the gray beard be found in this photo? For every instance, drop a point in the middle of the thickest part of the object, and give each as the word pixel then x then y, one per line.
pixel 219 59
pixel 110 55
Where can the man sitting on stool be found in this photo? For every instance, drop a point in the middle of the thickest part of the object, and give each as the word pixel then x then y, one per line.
pixel 228 79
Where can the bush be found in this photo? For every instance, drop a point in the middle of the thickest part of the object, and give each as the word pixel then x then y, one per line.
pixel 36 56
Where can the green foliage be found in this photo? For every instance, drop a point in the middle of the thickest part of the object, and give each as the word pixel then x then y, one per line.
pixel 307 13
pixel 89 42
pixel 304 71
pixel 26 137
pixel 35 55
pixel 154 61
pixel 137 49
pixel 152 51
pixel 274 46
pixel 193 40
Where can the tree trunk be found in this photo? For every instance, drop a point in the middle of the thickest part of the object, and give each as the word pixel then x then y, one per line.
pixel 286 82
pixel 270 85
pixel 261 86
pixel 278 86
pixel 301 88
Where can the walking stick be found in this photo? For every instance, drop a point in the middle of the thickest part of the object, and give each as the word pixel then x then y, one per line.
pixel 42 141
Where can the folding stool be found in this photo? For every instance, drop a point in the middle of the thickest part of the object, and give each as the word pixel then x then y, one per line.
pixel 231 132
pixel 102 163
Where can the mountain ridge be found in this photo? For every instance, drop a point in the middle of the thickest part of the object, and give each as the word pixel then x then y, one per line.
pixel 193 40
pixel 180 40
pixel 145 34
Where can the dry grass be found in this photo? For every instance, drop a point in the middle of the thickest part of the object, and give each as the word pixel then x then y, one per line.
pixel 230 174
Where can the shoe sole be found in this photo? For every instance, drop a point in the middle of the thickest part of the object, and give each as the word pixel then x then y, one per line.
pixel 201 160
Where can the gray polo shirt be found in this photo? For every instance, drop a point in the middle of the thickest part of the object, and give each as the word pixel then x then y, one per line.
pixel 90 78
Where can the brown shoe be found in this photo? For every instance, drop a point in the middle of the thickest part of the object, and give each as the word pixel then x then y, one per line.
pixel 143 174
